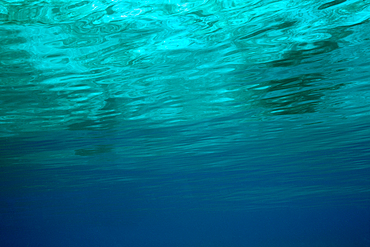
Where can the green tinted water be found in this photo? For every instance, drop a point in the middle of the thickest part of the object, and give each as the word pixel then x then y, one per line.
pixel 122 92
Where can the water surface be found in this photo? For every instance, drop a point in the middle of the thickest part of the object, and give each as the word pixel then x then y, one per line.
pixel 185 123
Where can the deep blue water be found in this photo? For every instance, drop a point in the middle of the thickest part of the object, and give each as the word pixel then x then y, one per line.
pixel 166 123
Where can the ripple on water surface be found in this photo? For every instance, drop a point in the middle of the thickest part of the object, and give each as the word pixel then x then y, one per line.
pixel 227 82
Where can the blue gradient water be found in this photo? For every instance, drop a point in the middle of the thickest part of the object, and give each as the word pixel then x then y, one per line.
pixel 185 123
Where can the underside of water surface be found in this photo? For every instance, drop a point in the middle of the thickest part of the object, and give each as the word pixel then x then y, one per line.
pixel 124 117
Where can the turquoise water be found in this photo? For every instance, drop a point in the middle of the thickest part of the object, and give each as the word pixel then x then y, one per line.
pixel 126 111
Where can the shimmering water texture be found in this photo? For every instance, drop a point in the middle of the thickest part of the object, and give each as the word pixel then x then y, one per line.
pixel 185 123
pixel 227 105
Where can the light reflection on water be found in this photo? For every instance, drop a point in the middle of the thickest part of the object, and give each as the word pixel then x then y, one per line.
pixel 254 103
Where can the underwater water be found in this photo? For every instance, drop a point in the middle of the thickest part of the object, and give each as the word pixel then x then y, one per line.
pixel 222 123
